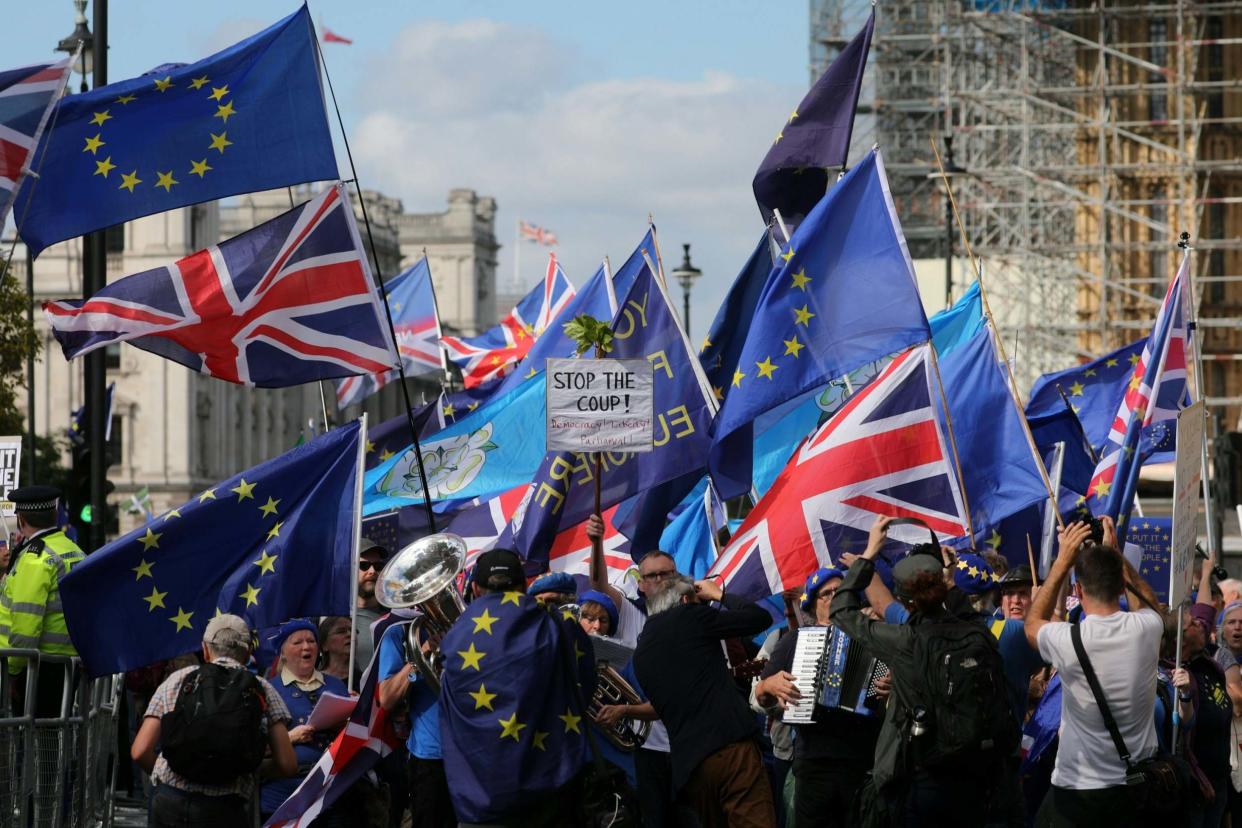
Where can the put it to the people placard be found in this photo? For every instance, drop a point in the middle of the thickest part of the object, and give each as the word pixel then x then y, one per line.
pixel 600 405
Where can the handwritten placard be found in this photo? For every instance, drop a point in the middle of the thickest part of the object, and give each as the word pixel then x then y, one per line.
pixel 1187 494
pixel 10 470
pixel 600 405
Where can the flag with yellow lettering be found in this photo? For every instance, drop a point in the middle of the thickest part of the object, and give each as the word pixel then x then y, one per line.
pixel 248 118
pixel 563 491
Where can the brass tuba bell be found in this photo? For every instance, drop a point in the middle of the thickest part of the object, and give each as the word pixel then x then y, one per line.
pixel 421 575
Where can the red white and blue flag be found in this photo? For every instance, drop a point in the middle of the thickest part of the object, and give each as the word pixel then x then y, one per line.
pixel 367 737
pixel 289 302
pixel 495 352
pixel 1156 393
pixel 416 320
pixel 882 453
pixel 535 233
pixel 26 99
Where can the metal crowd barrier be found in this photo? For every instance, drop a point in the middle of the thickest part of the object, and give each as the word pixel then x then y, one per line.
pixel 57 770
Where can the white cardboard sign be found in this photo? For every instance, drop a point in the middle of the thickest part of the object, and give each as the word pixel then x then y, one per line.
pixel 10 471
pixel 1187 490
pixel 600 405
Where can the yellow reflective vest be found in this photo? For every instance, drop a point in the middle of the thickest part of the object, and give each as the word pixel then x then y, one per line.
pixel 31 616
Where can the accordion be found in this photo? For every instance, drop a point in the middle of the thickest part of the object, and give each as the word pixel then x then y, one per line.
pixel 832 671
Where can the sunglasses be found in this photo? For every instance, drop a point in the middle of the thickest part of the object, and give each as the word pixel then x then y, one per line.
pixel 366 565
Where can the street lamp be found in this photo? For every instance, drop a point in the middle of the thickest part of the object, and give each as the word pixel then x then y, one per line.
pixel 951 170
pixel 81 36
pixel 685 276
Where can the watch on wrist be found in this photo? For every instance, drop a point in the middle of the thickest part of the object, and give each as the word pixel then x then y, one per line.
pixel 1184 697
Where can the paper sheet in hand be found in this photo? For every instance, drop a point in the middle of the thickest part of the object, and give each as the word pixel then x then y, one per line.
pixel 331 711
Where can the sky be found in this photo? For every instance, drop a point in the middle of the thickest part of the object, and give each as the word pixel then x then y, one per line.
pixel 583 118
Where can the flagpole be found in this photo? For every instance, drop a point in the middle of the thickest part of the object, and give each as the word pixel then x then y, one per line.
pixel 1192 331
pixel 997 343
pixel 357 540
pixel 517 253
pixel 392 330
pixel 957 464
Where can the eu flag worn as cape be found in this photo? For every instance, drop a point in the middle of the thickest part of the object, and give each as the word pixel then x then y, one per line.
pixel 274 542
pixel 843 295
pixel 245 119
pixel 511 721
pixel 794 174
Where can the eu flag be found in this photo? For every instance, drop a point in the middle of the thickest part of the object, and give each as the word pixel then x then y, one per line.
pixel 512 727
pixel 275 542
pixel 843 295
pixel 1155 536
pixel 245 119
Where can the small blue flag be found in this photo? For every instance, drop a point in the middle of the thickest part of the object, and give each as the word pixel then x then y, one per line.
pixel 725 338
pixel 512 726
pixel 248 118
pixel 1155 536
pixel 843 295
pixel 275 542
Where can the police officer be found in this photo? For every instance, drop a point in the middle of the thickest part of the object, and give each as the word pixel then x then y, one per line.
pixel 30 612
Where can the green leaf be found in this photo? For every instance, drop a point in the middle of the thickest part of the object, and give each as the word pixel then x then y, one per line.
pixel 589 333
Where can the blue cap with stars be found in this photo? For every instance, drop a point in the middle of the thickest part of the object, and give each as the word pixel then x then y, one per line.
pixel 973 575
pixel 818 578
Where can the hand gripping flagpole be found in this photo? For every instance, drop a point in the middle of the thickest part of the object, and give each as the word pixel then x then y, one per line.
pixel 405 391
pixel 1192 330
pixel 997 343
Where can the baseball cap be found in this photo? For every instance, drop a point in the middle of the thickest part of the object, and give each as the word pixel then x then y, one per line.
pixel 499 562
pixel 368 545
pixel 227 631
pixel 913 565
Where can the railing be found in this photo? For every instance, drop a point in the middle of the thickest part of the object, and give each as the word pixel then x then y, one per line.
pixel 69 783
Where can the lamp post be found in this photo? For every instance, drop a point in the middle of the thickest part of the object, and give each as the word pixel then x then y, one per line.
pixel 685 275
pixel 81 36
pixel 951 170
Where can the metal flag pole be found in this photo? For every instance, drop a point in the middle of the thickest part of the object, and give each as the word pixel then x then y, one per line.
pixel 1192 331
pixel 957 464
pixel 357 541
pixel 405 391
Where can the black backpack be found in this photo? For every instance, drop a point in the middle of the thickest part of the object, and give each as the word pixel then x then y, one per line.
pixel 962 709
pixel 214 732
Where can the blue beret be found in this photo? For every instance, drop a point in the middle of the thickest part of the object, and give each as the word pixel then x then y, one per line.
pixel 289 628
pixel 817 579
pixel 604 601
pixel 553 582
pixel 973 575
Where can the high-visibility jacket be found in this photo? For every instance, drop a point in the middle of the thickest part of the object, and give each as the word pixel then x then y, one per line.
pixel 31 616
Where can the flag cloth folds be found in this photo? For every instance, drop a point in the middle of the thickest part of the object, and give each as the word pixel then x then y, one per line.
pixel 512 726
pixel 275 542
pixel 289 302
pixel 79 419
pixel 248 118
pixel 1095 391
pixel 1155 394
pixel 27 95
pixel 534 233
pixel 368 736
pixel 416 320
pixel 883 453
pixel 843 295
pixel 722 347
pixel 815 139
pixel 562 493
pixel 494 352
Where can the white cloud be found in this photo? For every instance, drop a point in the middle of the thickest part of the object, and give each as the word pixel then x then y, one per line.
pixel 513 114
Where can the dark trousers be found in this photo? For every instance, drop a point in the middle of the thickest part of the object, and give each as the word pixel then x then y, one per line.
pixel 1211 814
pixel 1100 808
pixel 823 791
pixel 730 788
pixel 946 798
pixel 173 808
pixel 48 692
pixel 429 794
pixel 777 773
pixel 653 773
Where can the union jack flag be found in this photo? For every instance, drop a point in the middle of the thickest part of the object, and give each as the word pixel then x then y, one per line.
pixel 26 98
pixel 480 525
pixel 882 453
pixel 367 737
pixel 495 352
pixel 537 234
pixel 416 320
pixel 1155 393
pixel 571 551
pixel 289 302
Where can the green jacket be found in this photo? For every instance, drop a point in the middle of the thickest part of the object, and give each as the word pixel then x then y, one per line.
pixel 31 616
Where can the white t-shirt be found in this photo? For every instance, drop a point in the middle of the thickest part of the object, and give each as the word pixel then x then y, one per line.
pixel 630 622
pixel 1124 648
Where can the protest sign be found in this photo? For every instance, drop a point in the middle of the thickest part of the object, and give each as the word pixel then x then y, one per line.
pixel 10 469
pixel 600 405
pixel 1187 488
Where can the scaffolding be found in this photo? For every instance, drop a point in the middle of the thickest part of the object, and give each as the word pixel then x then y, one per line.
pixel 1090 135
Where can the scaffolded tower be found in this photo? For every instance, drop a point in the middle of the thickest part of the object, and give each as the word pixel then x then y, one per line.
pixel 1090 135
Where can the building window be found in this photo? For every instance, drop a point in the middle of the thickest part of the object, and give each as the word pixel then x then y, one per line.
pixel 112 356
pixel 1158 257
pixel 1216 259
pixel 1213 32
pixel 1158 53
pixel 114 239
pixel 116 439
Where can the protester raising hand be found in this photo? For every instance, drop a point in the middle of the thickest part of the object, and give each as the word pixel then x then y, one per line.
pixel 1070 539
pixel 877 536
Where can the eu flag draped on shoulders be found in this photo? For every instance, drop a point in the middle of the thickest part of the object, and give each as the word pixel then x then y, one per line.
pixel 512 727
pixel 416 320
pixel 882 453
pixel 245 119
pixel 275 542
pixel 288 302
pixel 843 295
pixel 26 98
pixel 816 137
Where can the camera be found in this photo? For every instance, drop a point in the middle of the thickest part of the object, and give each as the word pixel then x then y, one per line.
pixel 1097 530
